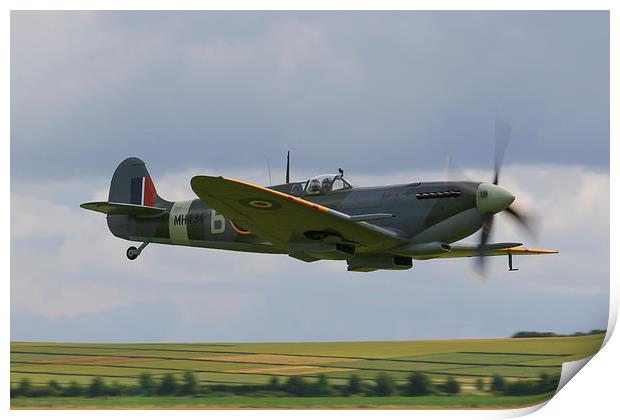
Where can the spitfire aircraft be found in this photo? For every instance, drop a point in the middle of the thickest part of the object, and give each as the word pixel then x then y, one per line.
pixel 324 218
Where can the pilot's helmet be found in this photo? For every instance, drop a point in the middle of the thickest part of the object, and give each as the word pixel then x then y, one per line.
pixel 326 185
pixel 315 186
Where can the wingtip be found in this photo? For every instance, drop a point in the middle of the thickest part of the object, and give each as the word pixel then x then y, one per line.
pixel 522 250
pixel 198 178
pixel 89 205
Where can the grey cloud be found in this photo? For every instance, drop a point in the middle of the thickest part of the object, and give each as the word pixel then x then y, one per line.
pixel 368 91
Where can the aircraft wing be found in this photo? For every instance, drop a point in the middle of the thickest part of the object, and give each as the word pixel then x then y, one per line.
pixel 282 218
pixel 459 251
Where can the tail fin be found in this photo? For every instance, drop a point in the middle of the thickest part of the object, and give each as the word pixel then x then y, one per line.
pixel 132 193
pixel 132 184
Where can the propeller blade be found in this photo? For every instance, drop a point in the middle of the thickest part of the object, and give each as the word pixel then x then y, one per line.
pixel 487 226
pixel 452 172
pixel 528 222
pixel 502 134
pixel 446 169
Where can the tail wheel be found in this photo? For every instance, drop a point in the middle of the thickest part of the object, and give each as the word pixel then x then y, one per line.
pixel 132 253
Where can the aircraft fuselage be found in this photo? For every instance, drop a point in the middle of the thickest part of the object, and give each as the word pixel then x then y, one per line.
pixel 424 212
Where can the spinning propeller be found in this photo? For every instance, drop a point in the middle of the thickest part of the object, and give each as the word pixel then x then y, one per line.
pixel 492 199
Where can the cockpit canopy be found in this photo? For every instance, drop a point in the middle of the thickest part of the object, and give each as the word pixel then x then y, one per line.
pixel 321 184
pixel 324 184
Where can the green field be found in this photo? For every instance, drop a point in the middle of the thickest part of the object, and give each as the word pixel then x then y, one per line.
pixel 256 363
pixel 471 401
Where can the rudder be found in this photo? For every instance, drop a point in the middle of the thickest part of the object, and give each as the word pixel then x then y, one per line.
pixel 132 184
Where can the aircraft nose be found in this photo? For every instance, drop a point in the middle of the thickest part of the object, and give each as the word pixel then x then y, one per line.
pixel 492 199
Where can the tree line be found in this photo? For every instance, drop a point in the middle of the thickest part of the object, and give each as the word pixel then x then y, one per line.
pixel 417 384
pixel 534 334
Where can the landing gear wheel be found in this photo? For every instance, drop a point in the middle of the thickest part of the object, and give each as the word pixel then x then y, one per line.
pixel 132 253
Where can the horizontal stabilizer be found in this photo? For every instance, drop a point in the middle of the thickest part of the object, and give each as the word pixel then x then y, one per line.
pixel 123 209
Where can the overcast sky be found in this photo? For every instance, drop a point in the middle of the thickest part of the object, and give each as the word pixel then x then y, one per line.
pixel 386 96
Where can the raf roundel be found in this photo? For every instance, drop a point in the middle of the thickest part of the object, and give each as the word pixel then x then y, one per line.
pixel 261 204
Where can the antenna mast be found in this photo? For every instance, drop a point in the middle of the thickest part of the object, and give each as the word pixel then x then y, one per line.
pixel 288 167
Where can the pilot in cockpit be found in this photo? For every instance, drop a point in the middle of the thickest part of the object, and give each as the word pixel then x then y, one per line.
pixel 314 187
pixel 326 185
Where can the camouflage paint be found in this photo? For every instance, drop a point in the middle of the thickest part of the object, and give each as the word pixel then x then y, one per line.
pixel 424 212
